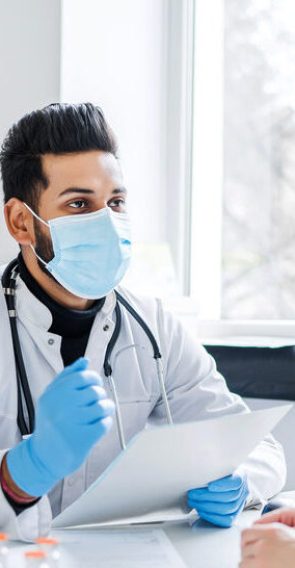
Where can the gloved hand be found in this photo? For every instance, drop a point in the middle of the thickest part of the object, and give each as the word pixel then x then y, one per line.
pixel 221 501
pixel 72 414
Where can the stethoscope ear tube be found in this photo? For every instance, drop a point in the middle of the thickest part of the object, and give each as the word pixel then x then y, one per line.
pixel 23 389
pixel 155 346
pixel 22 384
pixel 108 368
pixel 106 365
pixel 141 322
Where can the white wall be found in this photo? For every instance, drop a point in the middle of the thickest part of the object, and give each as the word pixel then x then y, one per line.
pixel 29 69
pixel 114 55
pixel 133 58
pixel 126 57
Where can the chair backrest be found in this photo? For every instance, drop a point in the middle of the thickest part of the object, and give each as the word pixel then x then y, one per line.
pixel 257 372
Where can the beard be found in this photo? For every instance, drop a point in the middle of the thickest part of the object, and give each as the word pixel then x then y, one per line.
pixel 44 249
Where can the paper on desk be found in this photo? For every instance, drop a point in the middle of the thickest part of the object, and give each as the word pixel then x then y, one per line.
pixel 147 548
pixel 161 464
pixel 144 548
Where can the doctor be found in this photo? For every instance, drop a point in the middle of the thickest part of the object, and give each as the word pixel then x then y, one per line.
pixel 65 205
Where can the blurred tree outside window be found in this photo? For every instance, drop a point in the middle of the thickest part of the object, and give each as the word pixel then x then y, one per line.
pixel 258 221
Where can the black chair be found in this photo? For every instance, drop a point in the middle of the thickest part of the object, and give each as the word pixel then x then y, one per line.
pixel 257 372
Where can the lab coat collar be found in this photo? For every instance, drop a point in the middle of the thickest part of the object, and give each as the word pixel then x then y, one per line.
pixel 109 305
pixel 30 309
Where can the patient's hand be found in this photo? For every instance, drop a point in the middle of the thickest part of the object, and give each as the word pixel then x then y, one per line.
pixel 270 542
pixel 284 515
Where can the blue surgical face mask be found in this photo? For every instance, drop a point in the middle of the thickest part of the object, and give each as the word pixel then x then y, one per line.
pixel 91 251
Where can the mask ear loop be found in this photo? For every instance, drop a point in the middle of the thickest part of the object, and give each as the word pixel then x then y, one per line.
pixel 37 256
pixel 35 215
pixel 44 223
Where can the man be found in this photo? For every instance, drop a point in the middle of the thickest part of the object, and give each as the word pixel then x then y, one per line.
pixel 65 205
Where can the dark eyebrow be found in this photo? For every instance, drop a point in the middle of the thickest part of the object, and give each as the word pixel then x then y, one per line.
pixel 89 191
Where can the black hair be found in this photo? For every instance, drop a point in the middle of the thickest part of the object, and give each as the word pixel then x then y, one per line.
pixel 56 129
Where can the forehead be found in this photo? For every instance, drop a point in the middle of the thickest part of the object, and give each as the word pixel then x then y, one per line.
pixel 94 170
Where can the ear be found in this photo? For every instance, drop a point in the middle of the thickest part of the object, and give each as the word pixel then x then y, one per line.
pixel 19 222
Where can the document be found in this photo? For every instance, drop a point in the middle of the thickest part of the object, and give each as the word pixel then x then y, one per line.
pixel 122 549
pixel 125 548
pixel 161 464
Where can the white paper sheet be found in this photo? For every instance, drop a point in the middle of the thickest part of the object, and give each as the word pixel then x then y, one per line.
pixel 125 549
pixel 147 548
pixel 167 516
pixel 161 464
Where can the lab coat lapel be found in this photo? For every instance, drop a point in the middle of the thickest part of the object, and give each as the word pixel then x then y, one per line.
pixel 36 319
pixel 101 334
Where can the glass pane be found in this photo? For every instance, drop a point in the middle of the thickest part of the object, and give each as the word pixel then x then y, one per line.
pixel 259 160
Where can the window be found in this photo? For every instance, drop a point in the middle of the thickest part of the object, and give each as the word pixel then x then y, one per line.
pixel 243 191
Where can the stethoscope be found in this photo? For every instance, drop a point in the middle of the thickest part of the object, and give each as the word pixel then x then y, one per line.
pixel 9 278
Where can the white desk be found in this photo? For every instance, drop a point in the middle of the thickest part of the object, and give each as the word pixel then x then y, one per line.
pixel 206 546
pixel 200 546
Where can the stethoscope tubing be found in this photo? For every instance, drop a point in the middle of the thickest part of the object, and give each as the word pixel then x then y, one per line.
pixel 23 389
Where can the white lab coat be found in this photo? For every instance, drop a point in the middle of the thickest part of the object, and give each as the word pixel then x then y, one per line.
pixel 195 391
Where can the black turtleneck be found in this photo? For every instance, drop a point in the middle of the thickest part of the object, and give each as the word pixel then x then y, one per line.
pixel 73 326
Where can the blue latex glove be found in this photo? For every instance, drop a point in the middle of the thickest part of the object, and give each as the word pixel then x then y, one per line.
pixel 221 501
pixel 72 414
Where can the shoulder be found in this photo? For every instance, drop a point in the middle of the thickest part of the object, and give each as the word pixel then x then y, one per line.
pixel 146 306
pixel 2 269
pixel 162 321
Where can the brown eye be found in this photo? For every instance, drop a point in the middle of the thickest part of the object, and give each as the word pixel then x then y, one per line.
pixel 79 204
pixel 118 203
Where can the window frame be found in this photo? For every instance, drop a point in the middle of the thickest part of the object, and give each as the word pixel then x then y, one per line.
pixel 206 200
